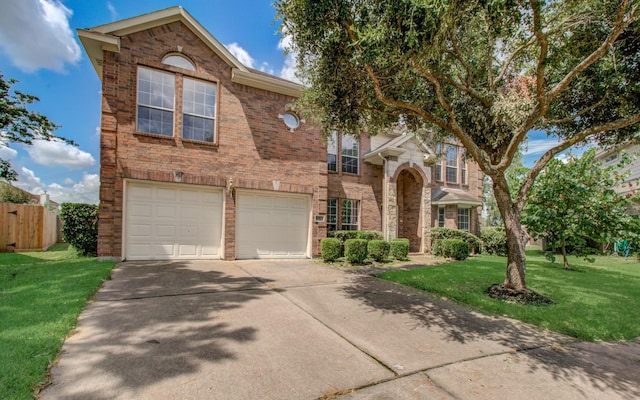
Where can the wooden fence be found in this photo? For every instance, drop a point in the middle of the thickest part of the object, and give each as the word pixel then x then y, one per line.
pixel 25 227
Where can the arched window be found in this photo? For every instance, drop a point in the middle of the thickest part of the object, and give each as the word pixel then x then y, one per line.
pixel 179 61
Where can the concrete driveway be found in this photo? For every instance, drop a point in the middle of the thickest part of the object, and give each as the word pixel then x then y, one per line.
pixel 301 330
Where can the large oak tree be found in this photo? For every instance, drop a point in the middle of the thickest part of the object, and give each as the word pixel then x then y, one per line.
pixel 483 72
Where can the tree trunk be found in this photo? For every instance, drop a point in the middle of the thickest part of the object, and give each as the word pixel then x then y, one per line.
pixel 564 255
pixel 516 258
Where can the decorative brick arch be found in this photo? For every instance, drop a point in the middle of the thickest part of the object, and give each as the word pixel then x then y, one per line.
pixel 412 170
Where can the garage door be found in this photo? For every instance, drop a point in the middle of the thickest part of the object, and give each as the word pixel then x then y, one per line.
pixel 272 225
pixel 164 222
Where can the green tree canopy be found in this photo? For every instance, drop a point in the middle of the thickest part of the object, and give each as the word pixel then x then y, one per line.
pixel 574 203
pixel 18 124
pixel 484 72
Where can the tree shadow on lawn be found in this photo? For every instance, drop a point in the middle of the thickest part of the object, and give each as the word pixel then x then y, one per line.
pixel 153 322
pixel 604 365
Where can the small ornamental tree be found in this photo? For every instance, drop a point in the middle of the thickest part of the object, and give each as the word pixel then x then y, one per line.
pixel 572 202
pixel 484 73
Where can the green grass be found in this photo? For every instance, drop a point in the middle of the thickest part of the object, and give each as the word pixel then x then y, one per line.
pixel 599 301
pixel 41 295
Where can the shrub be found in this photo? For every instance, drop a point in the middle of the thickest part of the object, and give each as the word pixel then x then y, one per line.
pixel 437 247
pixel 343 236
pixel 378 250
pixel 494 240
pixel 11 194
pixel 455 248
pixel 355 250
pixel 369 235
pixel 331 249
pixel 399 248
pixel 447 233
pixel 80 226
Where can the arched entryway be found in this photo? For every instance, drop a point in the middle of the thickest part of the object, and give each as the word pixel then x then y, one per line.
pixel 409 189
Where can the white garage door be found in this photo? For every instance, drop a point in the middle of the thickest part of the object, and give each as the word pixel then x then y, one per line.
pixel 272 225
pixel 164 222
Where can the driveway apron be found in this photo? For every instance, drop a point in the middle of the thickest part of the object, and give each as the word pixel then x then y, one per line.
pixel 301 330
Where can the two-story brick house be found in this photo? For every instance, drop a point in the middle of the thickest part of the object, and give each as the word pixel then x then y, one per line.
pixel 202 157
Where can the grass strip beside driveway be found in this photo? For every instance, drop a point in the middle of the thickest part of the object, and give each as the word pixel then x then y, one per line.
pixel 598 301
pixel 41 295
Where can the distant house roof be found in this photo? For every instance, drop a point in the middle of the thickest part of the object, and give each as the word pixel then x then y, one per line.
pixel 445 196
pixel 107 38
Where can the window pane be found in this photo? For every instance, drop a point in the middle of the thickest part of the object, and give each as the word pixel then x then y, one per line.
pixel 179 61
pixel 441 217
pixel 463 219
pixel 332 214
pixel 463 168
pixel 452 163
pixel 349 215
pixel 350 154
pixel 332 152
pixel 198 108
pixel 156 91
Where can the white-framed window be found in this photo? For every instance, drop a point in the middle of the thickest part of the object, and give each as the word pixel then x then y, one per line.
pixel 156 102
pixel 463 167
pixel 180 61
pixel 332 214
pixel 350 154
pixel 611 157
pixel 349 215
pixel 198 110
pixel 441 216
pixel 452 163
pixel 463 219
pixel 332 152
pixel 438 165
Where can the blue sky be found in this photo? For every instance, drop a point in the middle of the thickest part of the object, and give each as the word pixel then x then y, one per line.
pixel 39 47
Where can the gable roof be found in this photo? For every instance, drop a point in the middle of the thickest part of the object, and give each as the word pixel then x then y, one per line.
pixel 107 38
pixel 394 148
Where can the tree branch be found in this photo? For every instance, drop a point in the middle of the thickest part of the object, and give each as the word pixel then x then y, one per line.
pixel 546 157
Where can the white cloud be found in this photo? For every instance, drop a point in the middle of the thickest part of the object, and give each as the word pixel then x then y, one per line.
pixel 36 34
pixel 56 152
pixel 241 54
pixel 266 68
pixel 290 67
pixel 539 146
pixel 112 11
pixel 7 153
pixel 85 191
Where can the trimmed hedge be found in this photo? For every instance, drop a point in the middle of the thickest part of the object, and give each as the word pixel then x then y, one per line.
pixel 494 240
pixel 80 226
pixel 343 236
pixel 399 248
pixel 355 250
pixel 447 233
pixel 331 249
pixel 455 248
pixel 436 248
pixel 378 250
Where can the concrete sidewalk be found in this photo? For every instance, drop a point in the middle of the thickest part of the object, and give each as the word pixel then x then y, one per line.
pixel 301 330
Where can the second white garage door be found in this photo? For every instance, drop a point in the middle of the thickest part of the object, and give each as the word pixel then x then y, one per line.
pixel 272 225
pixel 172 221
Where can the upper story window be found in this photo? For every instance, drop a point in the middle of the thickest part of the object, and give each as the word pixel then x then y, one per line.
pixel 349 149
pixel 157 93
pixel 332 153
pixel 452 163
pixel 452 167
pixel 198 110
pixel 611 158
pixel 350 154
pixel 179 61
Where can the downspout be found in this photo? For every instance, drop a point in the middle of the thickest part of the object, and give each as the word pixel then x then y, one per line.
pixel 385 207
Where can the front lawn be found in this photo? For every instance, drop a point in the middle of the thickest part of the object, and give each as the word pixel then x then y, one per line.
pixel 599 301
pixel 41 295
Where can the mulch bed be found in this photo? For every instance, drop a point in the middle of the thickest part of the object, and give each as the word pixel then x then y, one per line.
pixel 527 296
